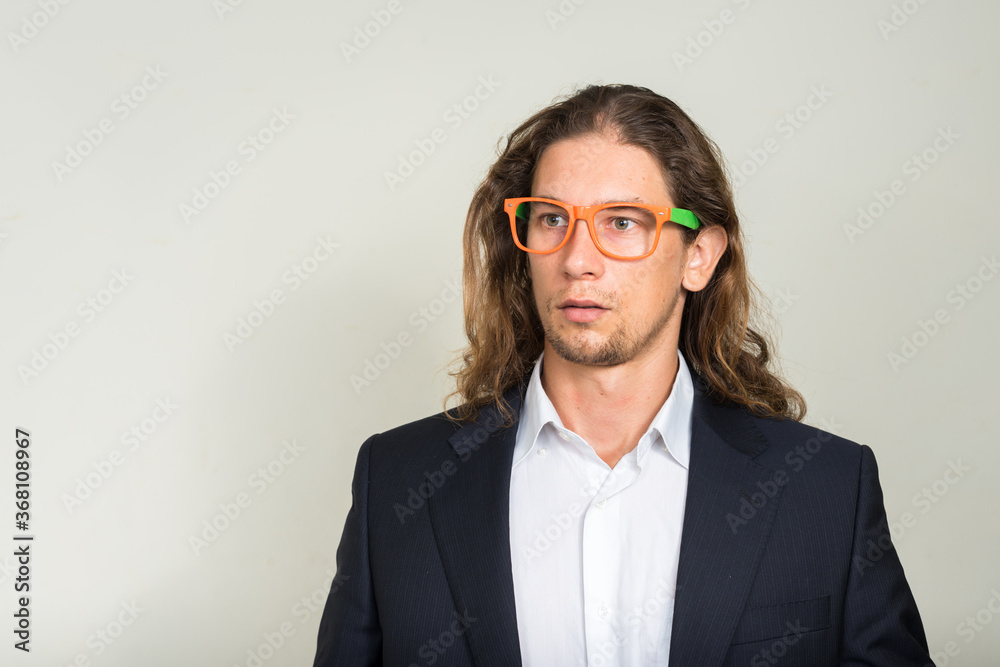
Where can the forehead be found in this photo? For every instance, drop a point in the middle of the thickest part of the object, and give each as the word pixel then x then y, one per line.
pixel 593 168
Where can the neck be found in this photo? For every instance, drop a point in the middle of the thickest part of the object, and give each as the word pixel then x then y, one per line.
pixel 610 407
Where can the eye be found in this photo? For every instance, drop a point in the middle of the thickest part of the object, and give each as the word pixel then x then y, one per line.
pixel 626 220
pixel 622 224
pixel 552 220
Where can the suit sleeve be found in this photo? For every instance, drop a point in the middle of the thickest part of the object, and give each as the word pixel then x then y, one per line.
pixel 349 632
pixel 882 626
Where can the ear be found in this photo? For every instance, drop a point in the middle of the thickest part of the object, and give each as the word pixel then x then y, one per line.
pixel 702 256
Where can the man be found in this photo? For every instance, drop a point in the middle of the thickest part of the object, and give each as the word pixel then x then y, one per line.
pixel 625 482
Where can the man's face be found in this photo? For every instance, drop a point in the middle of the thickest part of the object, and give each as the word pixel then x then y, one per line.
pixel 641 299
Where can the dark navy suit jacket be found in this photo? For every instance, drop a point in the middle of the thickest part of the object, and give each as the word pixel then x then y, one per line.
pixel 785 555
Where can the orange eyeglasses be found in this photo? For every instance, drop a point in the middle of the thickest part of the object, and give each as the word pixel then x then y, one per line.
pixel 620 230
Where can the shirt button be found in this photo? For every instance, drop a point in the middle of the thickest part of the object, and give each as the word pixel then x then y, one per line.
pixel 541 451
pixel 603 611
pixel 601 503
pixel 563 436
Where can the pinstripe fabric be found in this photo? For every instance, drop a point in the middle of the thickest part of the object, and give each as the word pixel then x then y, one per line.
pixel 785 554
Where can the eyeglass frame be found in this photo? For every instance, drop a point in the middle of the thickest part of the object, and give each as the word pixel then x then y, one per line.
pixel 684 217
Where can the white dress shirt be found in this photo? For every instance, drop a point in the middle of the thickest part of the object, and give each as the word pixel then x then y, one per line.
pixel 594 550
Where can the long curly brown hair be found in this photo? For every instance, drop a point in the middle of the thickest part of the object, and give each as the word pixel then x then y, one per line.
pixel 501 318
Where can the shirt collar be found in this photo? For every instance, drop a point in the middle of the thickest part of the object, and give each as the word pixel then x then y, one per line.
pixel 672 422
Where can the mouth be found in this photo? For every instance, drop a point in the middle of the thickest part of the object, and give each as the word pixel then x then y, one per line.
pixel 580 303
pixel 581 310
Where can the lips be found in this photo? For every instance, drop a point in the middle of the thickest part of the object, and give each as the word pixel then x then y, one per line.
pixel 580 303
pixel 582 311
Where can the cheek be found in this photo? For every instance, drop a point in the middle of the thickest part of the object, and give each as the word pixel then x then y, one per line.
pixel 655 284
pixel 536 274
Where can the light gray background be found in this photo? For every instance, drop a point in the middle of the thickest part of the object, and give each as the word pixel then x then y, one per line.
pixel 843 303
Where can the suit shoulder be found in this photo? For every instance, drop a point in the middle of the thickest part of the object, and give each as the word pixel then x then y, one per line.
pixel 796 441
pixel 414 441
pixel 437 424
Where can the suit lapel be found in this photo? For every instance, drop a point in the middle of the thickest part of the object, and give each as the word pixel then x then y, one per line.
pixel 724 532
pixel 470 516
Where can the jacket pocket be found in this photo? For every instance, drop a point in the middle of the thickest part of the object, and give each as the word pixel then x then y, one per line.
pixel 783 620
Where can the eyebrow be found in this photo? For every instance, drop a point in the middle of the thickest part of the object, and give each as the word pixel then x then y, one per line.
pixel 621 200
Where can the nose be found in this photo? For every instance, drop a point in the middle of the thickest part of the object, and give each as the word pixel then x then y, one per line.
pixel 580 255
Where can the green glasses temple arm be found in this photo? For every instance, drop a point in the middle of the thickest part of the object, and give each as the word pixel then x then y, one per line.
pixel 684 217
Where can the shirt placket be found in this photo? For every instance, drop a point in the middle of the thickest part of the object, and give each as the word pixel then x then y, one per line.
pixel 601 560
